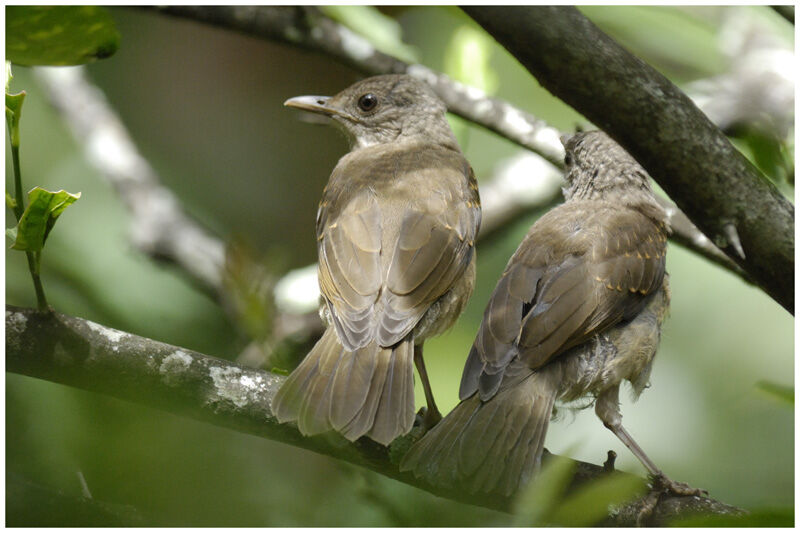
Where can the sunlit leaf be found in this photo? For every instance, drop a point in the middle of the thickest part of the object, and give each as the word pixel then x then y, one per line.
pixel 10 202
pixel 467 59
pixel 38 219
pixel 383 32
pixel 59 35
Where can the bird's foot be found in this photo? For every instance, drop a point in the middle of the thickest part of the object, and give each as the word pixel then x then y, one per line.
pixel 661 485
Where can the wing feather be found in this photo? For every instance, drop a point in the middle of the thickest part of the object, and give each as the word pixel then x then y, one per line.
pixel 577 272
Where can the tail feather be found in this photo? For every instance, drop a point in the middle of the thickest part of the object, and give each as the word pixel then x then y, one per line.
pixel 396 407
pixel 435 457
pixel 493 446
pixel 353 381
pixel 363 420
pixel 369 391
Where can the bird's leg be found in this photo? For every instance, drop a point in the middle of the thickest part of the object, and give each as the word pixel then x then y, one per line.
pixel 432 414
pixel 607 409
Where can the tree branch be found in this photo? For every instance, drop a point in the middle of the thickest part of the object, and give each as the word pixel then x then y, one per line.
pixel 787 12
pixel 79 353
pixel 711 181
pixel 307 28
pixel 159 227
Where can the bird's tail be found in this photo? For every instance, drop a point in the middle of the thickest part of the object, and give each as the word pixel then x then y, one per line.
pixel 369 391
pixel 493 446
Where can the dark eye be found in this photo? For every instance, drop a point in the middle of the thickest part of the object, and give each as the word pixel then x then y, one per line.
pixel 367 102
pixel 568 159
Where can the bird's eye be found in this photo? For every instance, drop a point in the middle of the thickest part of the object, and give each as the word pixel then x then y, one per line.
pixel 367 102
pixel 568 159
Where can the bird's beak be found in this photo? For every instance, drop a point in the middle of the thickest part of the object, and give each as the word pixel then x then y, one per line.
pixel 315 104
pixel 564 138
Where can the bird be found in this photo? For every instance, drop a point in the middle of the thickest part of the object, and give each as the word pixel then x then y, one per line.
pixel 395 231
pixel 577 311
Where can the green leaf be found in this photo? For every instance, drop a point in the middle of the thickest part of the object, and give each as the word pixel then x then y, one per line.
pixel 10 202
pixel 383 32
pixel 38 219
pixel 590 504
pixel 783 393
pixel 11 233
pixel 59 35
pixel 536 502
pixel 13 113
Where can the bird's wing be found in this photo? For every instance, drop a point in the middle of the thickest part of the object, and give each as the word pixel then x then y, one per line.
pixel 350 275
pixel 433 244
pixel 577 273
pixel 398 241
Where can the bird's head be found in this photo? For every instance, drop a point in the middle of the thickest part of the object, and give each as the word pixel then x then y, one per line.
pixel 598 168
pixel 383 109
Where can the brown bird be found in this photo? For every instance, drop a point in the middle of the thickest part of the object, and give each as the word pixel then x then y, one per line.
pixel 396 234
pixel 577 310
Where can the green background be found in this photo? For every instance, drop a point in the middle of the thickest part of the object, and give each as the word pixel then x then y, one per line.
pixel 204 107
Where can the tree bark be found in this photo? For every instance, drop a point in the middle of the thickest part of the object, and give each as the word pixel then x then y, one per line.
pixel 712 182
pixel 79 353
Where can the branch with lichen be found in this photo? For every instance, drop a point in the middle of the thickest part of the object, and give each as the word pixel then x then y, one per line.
pixel 79 353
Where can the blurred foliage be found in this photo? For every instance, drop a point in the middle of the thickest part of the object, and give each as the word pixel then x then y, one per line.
pixel 775 517
pixel 780 392
pixel 252 172
pixel 543 501
pixel 59 35
pixel 384 32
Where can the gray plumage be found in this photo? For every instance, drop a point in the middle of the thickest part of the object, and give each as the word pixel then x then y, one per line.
pixel 577 310
pixel 396 228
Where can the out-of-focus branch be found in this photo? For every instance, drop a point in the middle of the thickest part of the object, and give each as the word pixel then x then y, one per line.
pixel 503 199
pixel 306 27
pixel 79 353
pixel 693 161
pixel 757 88
pixel 159 227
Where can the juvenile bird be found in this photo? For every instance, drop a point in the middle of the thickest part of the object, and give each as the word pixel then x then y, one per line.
pixel 396 234
pixel 577 310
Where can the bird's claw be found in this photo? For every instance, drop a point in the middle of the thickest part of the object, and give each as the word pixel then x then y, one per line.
pixel 662 485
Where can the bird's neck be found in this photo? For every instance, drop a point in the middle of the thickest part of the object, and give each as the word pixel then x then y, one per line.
pixel 404 142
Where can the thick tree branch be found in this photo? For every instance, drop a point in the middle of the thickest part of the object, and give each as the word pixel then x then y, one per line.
pixel 786 12
pixel 307 28
pixel 82 354
pixel 711 181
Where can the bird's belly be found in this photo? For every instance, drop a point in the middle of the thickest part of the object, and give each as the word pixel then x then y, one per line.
pixel 624 352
